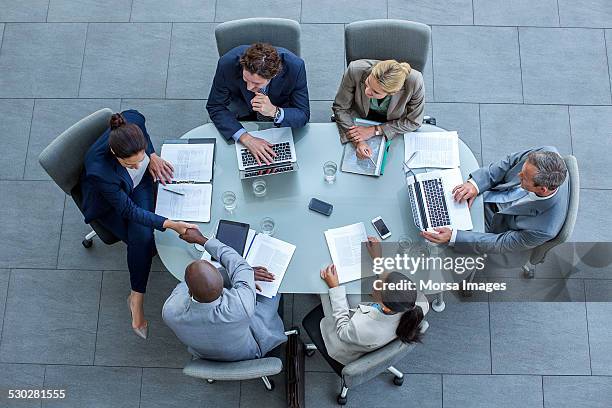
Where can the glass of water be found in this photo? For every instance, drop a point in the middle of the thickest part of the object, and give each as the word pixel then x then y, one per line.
pixel 229 201
pixel 259 187
pixel 268 226
pixel 404 243
pixel 330 169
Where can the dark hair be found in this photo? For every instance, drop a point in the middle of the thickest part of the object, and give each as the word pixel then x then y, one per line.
pixel 551 169
pixel 403 301
pixel 125 139
pixel 261 59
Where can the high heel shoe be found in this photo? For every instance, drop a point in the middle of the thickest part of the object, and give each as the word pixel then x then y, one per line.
pixel 142 332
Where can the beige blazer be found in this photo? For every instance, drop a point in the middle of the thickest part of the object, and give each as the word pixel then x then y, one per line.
pixel 406 108
pixel 349 337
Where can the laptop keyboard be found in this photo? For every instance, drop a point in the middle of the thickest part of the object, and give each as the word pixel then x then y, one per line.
pixel 282 150
pixel 436 202
pixel 268 171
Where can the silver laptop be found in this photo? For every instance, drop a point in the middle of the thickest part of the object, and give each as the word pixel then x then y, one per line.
pixel 282 144
pixel 432 202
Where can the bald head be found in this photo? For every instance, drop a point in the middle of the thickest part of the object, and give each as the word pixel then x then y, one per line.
pixel 204 281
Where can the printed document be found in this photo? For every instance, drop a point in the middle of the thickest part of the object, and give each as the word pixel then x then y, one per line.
pixel 191 162
pixel 275 256
pixel 193 205
pixel 345 249
pixel 433 149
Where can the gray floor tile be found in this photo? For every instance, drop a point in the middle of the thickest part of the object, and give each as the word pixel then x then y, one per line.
pixel 320 111
pixel 253 393
pixel 94 387
pixel 23 11
pixel 382 393
pixel 479 391
pixel 41 60
pixel 324 57
pixel 544 50
pixel 14 134
pixel 516 13
pixel 89 10
pixel 177 10
pixel 462 117
pixel 599 310
pixel 168 119
pixel 539 290
pixel 510 128
pixel 163 387
pixel 20 377
pixel 457 341
pixel 577 392
pixel 592 139
pixel 4 279
pixel 141 75
pixel 592 224
pixel 539 338
pixel 193 61
pixel 585 13
pixel 302 305
pixel 476 64
pixel 342 11
pixel 50 118
pixel 21 210
pixel 117 344
pixel 236 9
pixel 322 390
pixel 432 11
pixel 58 325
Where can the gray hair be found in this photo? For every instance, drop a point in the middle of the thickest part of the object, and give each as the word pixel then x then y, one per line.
pixel 551 169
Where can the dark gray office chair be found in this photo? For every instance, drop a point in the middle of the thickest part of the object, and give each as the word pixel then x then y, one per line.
pixel 63 161
pixel 279 32
pixel 401 40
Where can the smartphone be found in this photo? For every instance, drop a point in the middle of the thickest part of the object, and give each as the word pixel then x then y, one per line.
pixel 381 227
pixel 320 206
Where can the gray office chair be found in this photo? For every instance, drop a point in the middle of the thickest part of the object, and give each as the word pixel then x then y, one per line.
pixel 279 32
pixel 63 161
pixel 538 254
pixel 401 40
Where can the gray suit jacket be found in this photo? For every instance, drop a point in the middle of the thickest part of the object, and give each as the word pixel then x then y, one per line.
pixel 237 326
pixel 406 108
pixel 519 227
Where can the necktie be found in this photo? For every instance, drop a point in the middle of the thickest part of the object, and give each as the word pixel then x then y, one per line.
pixel 260 116
pixel 504 196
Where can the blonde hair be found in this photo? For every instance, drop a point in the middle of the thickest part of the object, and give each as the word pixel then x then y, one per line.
pixel 391 75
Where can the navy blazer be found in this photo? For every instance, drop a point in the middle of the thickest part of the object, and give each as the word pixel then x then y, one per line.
pixel 106 185
pixel 287 90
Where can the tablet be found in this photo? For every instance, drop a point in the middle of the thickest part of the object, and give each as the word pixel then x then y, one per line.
pixel 233 234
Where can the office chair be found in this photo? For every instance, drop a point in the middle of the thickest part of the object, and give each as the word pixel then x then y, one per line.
pixel 401 40
pixel 279 32
pixel 538 254
pixel 63 161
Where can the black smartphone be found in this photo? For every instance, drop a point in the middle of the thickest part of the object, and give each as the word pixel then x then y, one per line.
pixel 320 206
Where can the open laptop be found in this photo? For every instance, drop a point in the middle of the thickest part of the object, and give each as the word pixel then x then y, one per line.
pixel 432 202
pixel 282 144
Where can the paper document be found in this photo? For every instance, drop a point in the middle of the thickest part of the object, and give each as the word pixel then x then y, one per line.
pixel 273 254
pixel 352 164
pixel 345 249
pixel 191 162
pixel 434 149
pixel 193 205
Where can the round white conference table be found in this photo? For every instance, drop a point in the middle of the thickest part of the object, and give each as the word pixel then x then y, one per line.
pixel 356 198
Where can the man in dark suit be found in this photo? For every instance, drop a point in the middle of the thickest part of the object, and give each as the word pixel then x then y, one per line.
pixel 258 83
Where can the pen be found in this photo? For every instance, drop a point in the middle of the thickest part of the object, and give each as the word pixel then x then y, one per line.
pixel 172 191
pixel 372 161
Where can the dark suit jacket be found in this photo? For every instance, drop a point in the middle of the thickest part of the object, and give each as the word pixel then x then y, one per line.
pixel 288 90
pixel 106 185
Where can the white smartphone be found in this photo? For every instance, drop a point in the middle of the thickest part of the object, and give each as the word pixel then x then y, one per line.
pixel 381 227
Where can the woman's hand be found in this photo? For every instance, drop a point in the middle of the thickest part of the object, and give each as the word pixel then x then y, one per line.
pixel 374 248
pixel 358 134
pixel 160 169
pixel 262 275
pixel 180 227
pixel 363 151
pixel 330 276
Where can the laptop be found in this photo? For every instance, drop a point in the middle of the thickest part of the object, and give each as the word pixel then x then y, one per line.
pixel 282 144
pixel 432 203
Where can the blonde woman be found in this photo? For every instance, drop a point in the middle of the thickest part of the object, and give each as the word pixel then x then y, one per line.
pixel 388 92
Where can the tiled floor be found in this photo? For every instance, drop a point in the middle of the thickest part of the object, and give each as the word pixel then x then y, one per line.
pixel 507 74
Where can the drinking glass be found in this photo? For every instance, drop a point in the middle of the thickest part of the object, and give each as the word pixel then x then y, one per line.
pixel 403 244
pixel 259 187
pixel 330 169
pixel 229 201
pixel 267 226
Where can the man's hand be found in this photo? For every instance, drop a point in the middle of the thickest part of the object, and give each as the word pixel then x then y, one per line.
pixel 443 235
pixel 160 169
pixel 465 191
pixel 193 236
pixel 260 148
pixel 330 276
pixel 363 151
pixel 262 275
pixel 261 103
pixel 358 134
pixel 374 248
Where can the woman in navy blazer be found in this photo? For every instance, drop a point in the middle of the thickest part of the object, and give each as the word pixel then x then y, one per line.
pixel 118 181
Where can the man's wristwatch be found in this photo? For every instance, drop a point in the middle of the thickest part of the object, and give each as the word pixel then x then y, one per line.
pixel 377 131
pixel 277 114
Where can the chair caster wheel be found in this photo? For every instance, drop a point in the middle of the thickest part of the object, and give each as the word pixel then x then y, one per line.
pixel 87 243
pixel 398 381
pixel 210 381
pixel 528 273
pixel 341 400
pixel 271 388
pixel 310 353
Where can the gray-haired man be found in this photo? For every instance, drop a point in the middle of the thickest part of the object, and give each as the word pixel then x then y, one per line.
pixel 526 198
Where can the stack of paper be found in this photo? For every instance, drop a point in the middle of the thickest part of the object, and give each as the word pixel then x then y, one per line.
pixel 433 149
pixel 274 255
pixel 345 249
